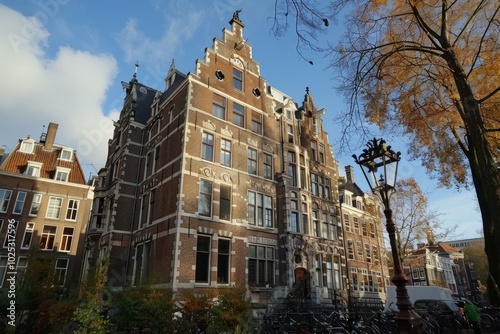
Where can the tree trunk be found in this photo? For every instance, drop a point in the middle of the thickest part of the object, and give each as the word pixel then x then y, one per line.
pixel 486 178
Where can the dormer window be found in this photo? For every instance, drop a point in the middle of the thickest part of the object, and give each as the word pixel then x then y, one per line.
pixel 62 174
pixel 27 146
pixel 33 168
pixel 66 154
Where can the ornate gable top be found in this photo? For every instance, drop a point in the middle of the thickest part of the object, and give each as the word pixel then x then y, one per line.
pixel 236 18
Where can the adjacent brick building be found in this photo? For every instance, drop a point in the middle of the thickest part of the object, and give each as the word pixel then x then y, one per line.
pixel 44 195
pixel 367 270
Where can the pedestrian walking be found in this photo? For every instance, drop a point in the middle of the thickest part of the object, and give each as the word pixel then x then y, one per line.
pixel 472 312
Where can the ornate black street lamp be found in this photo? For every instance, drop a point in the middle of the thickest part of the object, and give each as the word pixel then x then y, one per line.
pixel 380 166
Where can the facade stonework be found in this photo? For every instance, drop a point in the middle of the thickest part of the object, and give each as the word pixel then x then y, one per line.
pixel 219 179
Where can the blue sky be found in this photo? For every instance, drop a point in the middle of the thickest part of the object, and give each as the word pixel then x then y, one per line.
pixel 63 61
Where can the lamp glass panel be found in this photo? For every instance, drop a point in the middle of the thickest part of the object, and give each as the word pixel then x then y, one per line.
pixel 391 168
pixel 370 176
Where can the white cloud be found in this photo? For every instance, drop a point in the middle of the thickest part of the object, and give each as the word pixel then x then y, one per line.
pixel 137 46
pixel 68 88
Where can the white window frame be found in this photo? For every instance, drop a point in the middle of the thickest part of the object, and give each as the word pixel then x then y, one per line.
pixel 238 79
pixel 238 115
pixel 33 168
pixel 368 253
pixel 356 224
pixel 260 210
pixel 219 106
pixel 347 222
pixel 256 122
pixel 258 253
pixel 27 146
pixel 141 263
pixel 350 249
pixel 359 251
pixel 252 161
pixel 72 210
pixel 35 204
pixel 207 146
pixel 19 204
pixel 29 230
pixel 61 171
pixel 66 151
pixel 59 270
pixel 225 152
pixel 54 210
pixel 5 195
pixel 48 237
pixel 67 239
pixel 354 286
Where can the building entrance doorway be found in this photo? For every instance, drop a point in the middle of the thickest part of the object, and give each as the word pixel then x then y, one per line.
pixel 302 286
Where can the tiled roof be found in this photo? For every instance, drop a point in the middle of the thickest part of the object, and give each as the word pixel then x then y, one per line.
pixel 17 162
pixel 440 248
pixel 446 248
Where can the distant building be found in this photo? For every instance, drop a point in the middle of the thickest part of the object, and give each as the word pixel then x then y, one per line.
pixel 466 274
pixel 43 194
pixel 431 265
pixel 367 270
pixel 440 264
pixel 218 180
pixel 463 243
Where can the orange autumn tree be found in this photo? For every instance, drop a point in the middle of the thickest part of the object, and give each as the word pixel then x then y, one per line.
pixel 429 69
pixel 414 218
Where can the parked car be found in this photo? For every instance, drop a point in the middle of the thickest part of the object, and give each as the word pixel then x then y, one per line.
pixel 415 293
pixel 445 310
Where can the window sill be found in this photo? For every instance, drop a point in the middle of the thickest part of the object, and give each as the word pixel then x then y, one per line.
pixel 261 289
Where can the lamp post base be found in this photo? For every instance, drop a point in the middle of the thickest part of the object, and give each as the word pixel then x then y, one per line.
pixel 409 323
pixel 407 318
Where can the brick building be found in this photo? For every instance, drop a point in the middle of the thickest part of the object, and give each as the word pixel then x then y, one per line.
pixel 367 270
pixel 219 179
pixel 44 194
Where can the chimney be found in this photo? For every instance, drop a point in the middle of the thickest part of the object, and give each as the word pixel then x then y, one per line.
pixel 51 136
pixel 349 174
